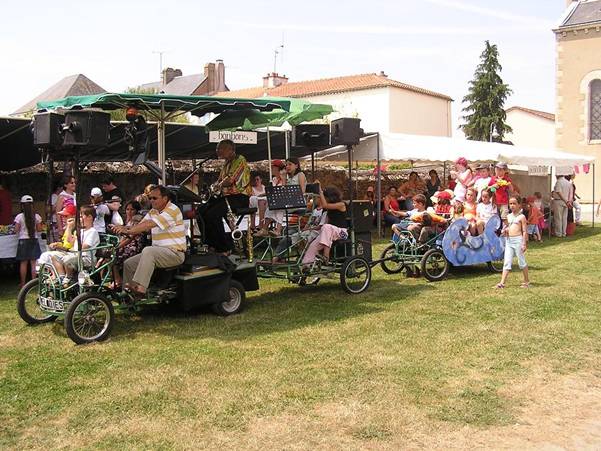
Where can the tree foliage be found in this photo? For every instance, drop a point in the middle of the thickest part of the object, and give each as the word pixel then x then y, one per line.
pixel 486 99
pixel 119 115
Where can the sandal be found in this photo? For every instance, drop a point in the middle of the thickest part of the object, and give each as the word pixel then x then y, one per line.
pixel 525 285
pixel 499 286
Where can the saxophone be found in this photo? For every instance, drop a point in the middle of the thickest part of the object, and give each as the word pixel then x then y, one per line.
pixel 231 222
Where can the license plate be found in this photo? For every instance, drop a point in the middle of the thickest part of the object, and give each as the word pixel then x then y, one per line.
pixel 52 304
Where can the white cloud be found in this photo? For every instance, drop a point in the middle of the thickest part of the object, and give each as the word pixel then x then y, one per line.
pixel 497 13
pixel 378 29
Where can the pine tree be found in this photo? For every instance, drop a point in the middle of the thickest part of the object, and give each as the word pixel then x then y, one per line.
pixel 486 99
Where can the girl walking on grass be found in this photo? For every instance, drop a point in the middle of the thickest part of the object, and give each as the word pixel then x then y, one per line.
pixel 27 225
pixel 516 233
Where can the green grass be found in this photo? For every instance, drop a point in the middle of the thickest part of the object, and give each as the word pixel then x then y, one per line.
pixel 307 366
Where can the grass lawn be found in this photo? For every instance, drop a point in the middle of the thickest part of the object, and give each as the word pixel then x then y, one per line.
pixel 309 367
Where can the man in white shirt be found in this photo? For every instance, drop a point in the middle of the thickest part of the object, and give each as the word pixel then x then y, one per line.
pixel 561 202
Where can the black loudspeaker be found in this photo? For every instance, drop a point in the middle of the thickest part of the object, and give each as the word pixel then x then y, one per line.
pixel 47 130
pixel 87 128
pixel 363 216
pixel 363 245
pixel 346 131
pixel 311 135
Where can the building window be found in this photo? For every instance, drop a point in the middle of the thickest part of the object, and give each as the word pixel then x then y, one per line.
pixel 595 110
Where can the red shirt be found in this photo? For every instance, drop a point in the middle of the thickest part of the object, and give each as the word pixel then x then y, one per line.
pixel 6 208
pixel 502 192
pixel 394 204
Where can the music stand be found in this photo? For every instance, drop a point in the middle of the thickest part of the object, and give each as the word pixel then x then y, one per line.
pixel 287 197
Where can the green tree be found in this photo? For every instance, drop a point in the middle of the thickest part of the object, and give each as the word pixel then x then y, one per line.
pixel 119 115
pixel 486 99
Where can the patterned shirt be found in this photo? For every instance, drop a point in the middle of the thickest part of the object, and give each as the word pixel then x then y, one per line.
pixel 169 231
pixel 239 171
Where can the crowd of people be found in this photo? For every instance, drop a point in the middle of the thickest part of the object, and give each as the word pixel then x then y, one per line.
pixel 417 206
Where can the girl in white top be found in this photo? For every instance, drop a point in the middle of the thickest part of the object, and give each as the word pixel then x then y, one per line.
pixel 27 226
pixel 463 177
pixel 66 197
pixel 485 210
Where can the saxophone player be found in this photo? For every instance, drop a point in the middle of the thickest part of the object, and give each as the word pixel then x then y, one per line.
pixel 234 179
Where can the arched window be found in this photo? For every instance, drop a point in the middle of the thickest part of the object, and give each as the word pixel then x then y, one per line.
pixel 595 110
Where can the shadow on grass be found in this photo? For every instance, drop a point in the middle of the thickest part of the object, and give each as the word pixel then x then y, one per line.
pixel 283 309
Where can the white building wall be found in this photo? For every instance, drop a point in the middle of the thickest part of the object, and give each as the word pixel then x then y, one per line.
pixel 530 130
pixel 369 105
pixel 419 114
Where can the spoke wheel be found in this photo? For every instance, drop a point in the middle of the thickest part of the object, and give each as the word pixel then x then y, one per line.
pixel 434 265
pixel 495 265
pixel 391 263
pixel 28 304
pixel 235 303
pixel 89 318
pixel 355 275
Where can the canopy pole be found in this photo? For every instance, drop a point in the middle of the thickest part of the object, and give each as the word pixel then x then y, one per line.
pixel 287 136
pixel 313 166
pixel 378 187
pixel 444 173
pixel 593 195
pixel 50 212
pixel 269 154
pixel 350 187
pixel 161 144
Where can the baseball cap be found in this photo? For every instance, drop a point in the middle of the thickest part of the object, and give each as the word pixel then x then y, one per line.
pixel 68 210
pixel 114 199
pixel 26 199
pixel 96 192
pixel 278 163
pixel 501 165
pixel 483 166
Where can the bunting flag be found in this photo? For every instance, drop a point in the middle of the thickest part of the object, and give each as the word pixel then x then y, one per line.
pixel 576 169
pixel 586 168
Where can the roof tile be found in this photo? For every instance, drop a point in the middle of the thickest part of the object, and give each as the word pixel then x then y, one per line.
pixel 329 86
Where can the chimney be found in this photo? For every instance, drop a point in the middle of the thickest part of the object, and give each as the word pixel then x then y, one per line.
pixel 169 74
pixel 273 80
pixel 382 74
pixel 209 73
pixel 220 76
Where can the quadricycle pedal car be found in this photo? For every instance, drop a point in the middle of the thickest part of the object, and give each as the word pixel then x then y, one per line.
pixel 444 248
pixel 87 306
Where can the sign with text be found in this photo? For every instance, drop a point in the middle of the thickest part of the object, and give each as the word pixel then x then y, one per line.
pixel 538 170
pixel 237 137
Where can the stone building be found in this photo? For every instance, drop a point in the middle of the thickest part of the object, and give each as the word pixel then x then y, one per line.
pixel 578 111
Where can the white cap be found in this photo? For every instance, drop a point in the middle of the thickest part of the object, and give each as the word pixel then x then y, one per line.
pixel 26 199
pixel 96 192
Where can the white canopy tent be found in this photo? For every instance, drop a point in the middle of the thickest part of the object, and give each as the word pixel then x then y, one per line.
pixel 436 149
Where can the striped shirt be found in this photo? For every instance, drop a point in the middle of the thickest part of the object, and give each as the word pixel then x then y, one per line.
pixel 169 231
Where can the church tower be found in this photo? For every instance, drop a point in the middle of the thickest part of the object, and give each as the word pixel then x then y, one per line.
pixel 578 79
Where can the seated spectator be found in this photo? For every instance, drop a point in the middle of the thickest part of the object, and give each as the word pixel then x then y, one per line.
pixel 334 229
pixel 485 210
pixel 310 231
pixel 433 185
pixel 469 210
pixel 128 245
pixel 411 188
pixel 102 210
pixel 257 200
pixel 192 183
pixel 67 239
pixel 392 210
pixel 370 195
pixel 419 206
pixel 67 263
pixel 275 217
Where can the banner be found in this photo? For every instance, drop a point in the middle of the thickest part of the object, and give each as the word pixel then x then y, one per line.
pixel 538 170
pixel 237 137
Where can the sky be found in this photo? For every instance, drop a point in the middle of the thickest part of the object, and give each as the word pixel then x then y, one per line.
pixel 434 44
